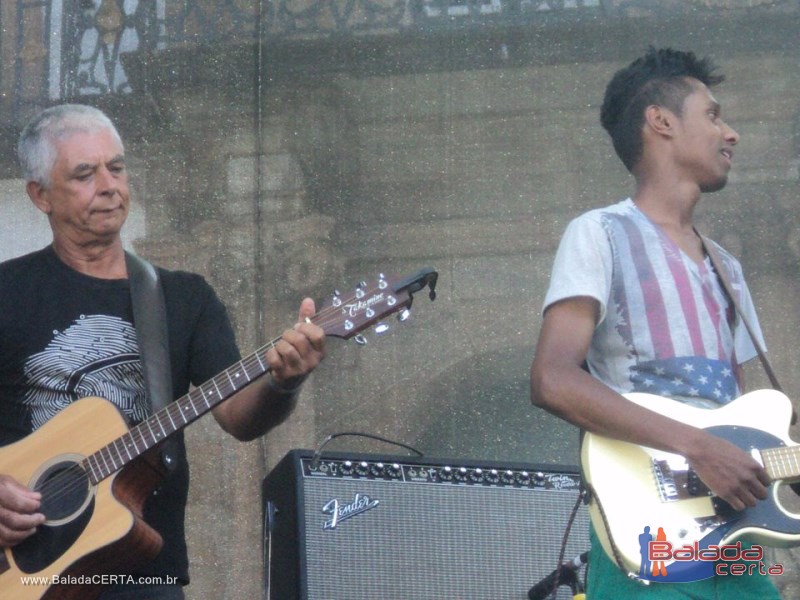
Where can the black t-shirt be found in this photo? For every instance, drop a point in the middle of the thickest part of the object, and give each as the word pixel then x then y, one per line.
pixel 66 336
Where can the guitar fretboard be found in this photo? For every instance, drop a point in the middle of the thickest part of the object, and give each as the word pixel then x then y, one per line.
pixel 343 317
pixel 176 415
pixel 782 463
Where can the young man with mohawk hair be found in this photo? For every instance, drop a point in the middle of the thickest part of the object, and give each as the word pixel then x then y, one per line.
pixel 634 298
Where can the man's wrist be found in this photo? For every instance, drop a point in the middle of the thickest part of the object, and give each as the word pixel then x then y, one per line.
pixel 290 387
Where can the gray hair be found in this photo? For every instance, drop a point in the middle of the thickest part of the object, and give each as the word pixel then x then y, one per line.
pixel 36 149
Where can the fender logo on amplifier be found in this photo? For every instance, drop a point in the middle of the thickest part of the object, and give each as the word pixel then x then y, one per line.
pixel 339 513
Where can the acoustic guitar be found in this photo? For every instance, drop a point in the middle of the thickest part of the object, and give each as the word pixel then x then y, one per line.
pixel 94 472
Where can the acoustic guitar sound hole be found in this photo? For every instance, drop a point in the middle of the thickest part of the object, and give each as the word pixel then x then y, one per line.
pixel 68 504
pixel 65 490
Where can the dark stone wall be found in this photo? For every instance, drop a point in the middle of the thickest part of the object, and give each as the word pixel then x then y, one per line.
pixel 313 165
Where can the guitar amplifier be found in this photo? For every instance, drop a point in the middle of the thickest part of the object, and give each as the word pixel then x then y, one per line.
pixel 369 527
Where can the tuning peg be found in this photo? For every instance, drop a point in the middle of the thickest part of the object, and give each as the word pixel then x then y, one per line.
pixel 360 340
pixel 381 328
pixel 404 315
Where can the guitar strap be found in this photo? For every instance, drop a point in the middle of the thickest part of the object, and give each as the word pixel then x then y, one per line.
pixel 150 321
pixel 722 273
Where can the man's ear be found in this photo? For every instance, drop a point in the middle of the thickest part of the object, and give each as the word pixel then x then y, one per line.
pixel 38 194
pixel 659 120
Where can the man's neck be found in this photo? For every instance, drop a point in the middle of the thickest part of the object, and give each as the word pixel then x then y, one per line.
pixel 672 209
pixel 104 261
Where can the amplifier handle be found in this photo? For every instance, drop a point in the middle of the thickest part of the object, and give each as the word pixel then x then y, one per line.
pixel 269 522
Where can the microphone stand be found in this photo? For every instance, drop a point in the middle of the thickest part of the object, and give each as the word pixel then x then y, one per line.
pixel 566 574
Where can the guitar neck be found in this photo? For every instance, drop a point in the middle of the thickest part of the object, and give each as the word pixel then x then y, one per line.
pixel 782 463
pixel 177 415
pixel 341 316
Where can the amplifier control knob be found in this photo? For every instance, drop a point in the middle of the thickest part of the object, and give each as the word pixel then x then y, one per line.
pixel 493 476
pixel 346 467
pixel 461 474
pixel 507 476
pixel 395 470
pixel 377 469
pixel 446 473
pixel 523 478
pixel 362 468
pixel 476 476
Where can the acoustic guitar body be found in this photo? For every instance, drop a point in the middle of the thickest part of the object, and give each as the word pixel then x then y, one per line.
pixel 93 531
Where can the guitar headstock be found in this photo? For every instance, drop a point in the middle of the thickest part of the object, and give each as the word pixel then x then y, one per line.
pixel 345 315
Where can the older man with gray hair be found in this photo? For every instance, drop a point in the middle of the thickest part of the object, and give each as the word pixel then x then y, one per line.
pixel 67 331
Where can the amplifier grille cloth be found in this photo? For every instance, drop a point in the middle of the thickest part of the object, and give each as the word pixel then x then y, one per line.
pixel 433 542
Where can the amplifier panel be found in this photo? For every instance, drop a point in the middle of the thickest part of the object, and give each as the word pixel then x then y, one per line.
pixel 376 527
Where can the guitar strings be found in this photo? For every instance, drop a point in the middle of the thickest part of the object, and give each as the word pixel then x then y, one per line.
pixel 78 475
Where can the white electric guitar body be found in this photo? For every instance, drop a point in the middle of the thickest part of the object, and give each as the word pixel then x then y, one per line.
pixel 634 487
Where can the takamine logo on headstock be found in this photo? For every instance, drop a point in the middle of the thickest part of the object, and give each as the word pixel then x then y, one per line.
pixel 366 306
pixel 346 315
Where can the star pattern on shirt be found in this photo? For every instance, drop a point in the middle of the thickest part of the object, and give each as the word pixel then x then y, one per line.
pixel 688 377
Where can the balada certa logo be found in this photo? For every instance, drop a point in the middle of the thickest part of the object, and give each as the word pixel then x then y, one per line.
pixel 666 562
pixel 340 512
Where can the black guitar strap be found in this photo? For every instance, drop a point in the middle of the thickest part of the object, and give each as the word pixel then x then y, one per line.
pixel 150 320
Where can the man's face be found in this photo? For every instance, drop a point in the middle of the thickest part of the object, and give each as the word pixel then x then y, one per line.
pixel 88 198
pixel 706 141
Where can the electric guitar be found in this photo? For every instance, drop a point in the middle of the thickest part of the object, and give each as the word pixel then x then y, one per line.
pixel 94 473
pixel 633 487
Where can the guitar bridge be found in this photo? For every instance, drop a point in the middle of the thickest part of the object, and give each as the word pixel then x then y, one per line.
pixel 677 482
pixel 665 481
